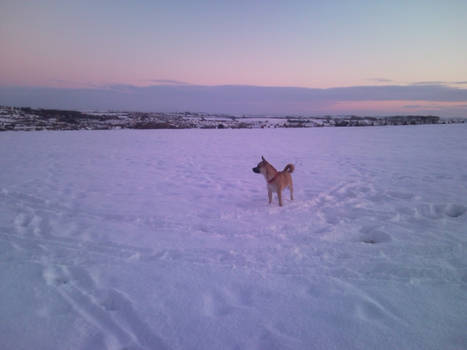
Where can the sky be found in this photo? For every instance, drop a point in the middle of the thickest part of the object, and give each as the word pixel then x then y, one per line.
pixel 236 56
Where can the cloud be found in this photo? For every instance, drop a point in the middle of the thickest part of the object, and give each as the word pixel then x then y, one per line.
pixel 414 106
pixel 166 82
pixel 380 80
pixel 237 99
pixel 61 83
pixel 430 83
pixel 437 82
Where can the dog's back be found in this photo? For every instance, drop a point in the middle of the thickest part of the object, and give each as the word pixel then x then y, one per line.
pixel 283 178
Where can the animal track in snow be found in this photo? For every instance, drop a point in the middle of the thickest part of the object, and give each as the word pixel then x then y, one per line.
pixel 21 222
pixel 438 211
pixel 401 195
pixel 109 311
pixel 216 305
pixel 56 275
pixel 455 210
pixel 371 235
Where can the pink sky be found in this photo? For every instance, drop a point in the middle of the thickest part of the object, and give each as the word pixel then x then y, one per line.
pixel 295 44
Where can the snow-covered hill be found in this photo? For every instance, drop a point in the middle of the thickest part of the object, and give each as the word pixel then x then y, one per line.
pixel 29 119
pixel 163 239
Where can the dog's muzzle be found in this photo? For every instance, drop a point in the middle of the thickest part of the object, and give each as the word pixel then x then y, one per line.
pixel 256 170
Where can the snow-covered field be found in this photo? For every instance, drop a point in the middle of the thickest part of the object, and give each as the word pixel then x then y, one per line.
pixel 163 239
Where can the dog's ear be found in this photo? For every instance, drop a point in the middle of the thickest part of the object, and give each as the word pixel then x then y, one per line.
pixel 262 158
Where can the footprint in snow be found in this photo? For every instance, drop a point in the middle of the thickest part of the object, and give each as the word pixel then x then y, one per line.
pixel 55 276
pixel 455 210
pixel 215 305
pixel 371 235
pixel 401 195
pixel 21 222
pixel 438 211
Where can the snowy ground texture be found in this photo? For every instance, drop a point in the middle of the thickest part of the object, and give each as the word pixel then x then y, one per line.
pixel 163 239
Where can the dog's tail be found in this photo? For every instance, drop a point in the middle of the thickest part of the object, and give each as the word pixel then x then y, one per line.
pixel 290 168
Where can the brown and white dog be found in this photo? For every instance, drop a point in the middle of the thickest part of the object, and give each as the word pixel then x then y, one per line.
pixel 276 180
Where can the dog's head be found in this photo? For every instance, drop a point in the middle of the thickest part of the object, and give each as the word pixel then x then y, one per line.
pixel 260 166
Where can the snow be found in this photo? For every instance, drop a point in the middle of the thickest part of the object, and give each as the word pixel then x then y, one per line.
pixel 163 239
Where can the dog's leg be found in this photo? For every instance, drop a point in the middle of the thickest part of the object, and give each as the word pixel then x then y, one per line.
pixel 270 196
pixel 279 196
pixel 291 191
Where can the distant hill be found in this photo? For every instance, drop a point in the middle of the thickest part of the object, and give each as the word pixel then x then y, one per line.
pixel 29 119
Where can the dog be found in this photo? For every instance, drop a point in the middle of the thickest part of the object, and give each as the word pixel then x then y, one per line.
pixel 276 180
